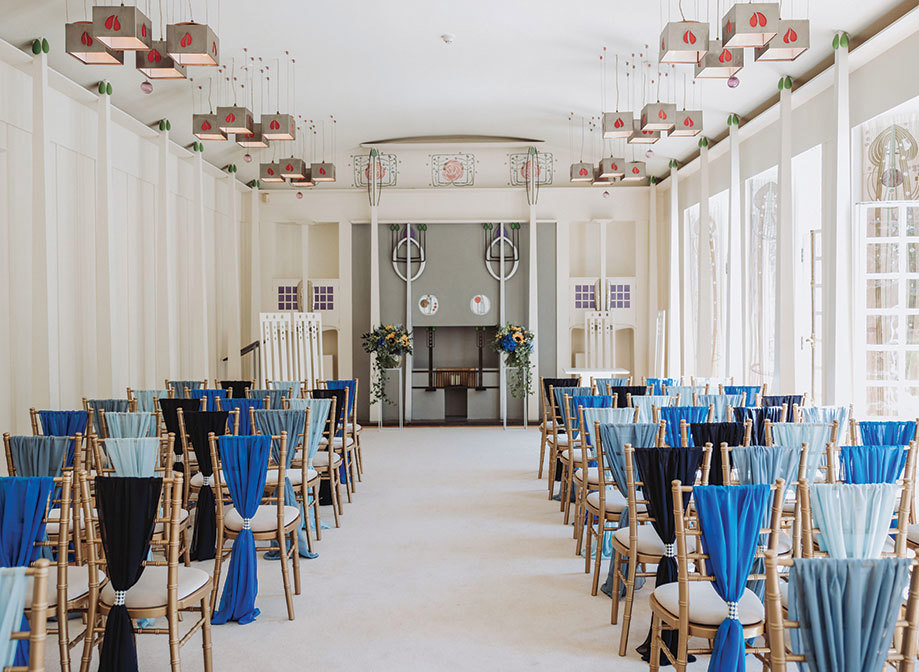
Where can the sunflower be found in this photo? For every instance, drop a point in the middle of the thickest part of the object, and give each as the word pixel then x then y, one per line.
pixel 518 337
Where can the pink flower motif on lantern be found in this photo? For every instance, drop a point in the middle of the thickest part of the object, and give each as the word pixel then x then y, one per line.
pixel 452 170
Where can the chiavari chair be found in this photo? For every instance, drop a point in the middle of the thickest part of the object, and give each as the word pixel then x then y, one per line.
pixel 37 634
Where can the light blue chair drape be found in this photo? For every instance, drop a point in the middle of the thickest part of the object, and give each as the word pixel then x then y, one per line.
pixel 872 464
pixel 750 392
pixel 816 436
pixel 685 394
pixel 36 456
pixel 275 397
pixel 147 399
pixel 720 403
pixel 578 402
pixel 657 385
pixel 109 406
pixel 672 415
pixel 179 386
pixel 133 457
pixel 561 392
pixel 825 415
pixel 887 433
pixel 730 518
pixel 245 468
pixel 854 520
pixel 605 416
pixel 603 384
pixel 645 402
pixel 319 416
pixel 212 395
pixel 293 421
pixel 13 585
pixel 130 425
pixel 614 438
pixel 243 406
pixel 291 387
pixel 847 609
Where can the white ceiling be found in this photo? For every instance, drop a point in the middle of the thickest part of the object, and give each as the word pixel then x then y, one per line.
pixel 516 67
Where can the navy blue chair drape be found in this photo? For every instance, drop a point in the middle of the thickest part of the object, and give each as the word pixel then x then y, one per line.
pixel 758 415
pixel 237 387
pixel 198 424
pixel 170 409
pixel 622 393
pixel 64 423
pixel 779 399
pixel 716 433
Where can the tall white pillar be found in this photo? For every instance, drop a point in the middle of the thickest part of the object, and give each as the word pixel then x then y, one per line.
pixel 169 308
pixel 735 326
pixel 375 409
pixel 204 366
pixel 706 317
pixel 409 304
pixel 651 366
pixel 674 315
pixel 785 379
pixel 346 331
pixel 255 277
pixel 533 315
pixel 233 319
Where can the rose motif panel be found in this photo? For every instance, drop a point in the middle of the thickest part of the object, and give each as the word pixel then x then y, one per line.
pixel 520 164
pixel 388 170
pixel 452 170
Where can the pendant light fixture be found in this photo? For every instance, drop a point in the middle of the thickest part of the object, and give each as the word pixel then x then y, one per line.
pixel 256 138
pixel 643 137
pixel 618 124
pixel 324 171
pixel 683 41
pixel 688 122
pixel 792 39
pixel 122 28
pixel 235 118
pixel 269 172
pixel 635 171
pixel 191 43
pixel 281 126
pixel 80 43
pixel 156 63
pixel 750 24
pixel 657 116
pixel 612 168
pixel 720 62
pixel 205 126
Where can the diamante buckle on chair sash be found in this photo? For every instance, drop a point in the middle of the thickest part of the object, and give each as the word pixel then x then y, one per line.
pixel 247 523
pixel 207 481
pixel 120 597
pixel 670 550
pixel 761 549
pixel 732 611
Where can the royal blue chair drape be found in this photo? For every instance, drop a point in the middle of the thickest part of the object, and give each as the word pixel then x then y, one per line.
pixel 622 393
pixel 179 386
pixel 109 406
pixel 672 415
pixel 245 468
pixel 758 415
pixel 847 609
pixel 657 385
pixel 657 469
pixel 887 433
pixel 22 509
pixel 198 424
pixel 872 464
pixel 127 513
pixel 64 423
pixel 716 433
pixel 212 395
pixel 243 405
pixel 749 392
pixel 730 518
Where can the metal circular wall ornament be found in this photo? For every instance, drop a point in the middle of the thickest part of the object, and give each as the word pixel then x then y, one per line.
pixel 495 247
pixel 428 304
pixel 399 266
pixel 479 305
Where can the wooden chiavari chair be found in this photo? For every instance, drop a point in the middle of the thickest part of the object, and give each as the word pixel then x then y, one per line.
pixel 157 422
pixel 351 423
pixel 344 441
pixel 194 483
pixel 37 634
pixel 327 462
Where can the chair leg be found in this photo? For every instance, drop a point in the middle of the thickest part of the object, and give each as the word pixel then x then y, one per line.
pixel 562 485
pixel 337 478
pixel 586 531
pixel 63 636
pixel 629 600
pixel 344 462
pixel 186 542
pixel 89 637
pixel 315 506
pixel 352 469
pixel 285 579
pixel 206 635
pixel 306 523
pixel 175 657
pixel 601 531
pixel 335 499
pixel 218 561
pixel 617 586
pixel 569 483
pixel 654 664
pixel 295 554
pixel 542 452
pixel 553 458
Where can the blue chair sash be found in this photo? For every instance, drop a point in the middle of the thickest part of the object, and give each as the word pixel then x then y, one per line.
pixel 758 416
pixel 645 402
pixel 237 387
pixel 605 416
pixel 275 397
pixel 749 391
pixel 872 464
pixel 887 433
pixel 147 399
pixel 720 404
pixel 825 414
pixel 178 386
pixel 560 393
pixel 788 400
pixel 133 457
pixel 64 423
pixel 13 584
pixel 36 456
pixel 245 468
pixel 350 385
pixel 130 425
pixel 854 520
pixel 289 386
pixel 847 610
pixel 603 384
pixel 109 406
pixel 730 518
pixel 242 405
pixel 578 402
pixel 672 415
pixel 797 433
pixel 716 433
pixel 657 385
pixel 685 394
pixel 623 392
pixel 211 395
pixel 198 425
pixel 319 417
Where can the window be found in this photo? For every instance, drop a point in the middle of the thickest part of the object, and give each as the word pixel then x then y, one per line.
pixel 323 297
pixel 585 297
pixel 762 212
pixel 620 296
pixel 287 297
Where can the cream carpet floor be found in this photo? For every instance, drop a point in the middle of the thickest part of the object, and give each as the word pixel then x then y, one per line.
pixel 450 558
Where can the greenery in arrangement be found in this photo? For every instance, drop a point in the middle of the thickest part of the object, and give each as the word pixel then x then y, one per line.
pixel 389 343
pixel 516 343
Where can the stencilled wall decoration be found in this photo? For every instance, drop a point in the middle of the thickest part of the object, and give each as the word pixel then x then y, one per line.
pixel 452 170
pixel 389 170
pixel 519 165
pixel 891 159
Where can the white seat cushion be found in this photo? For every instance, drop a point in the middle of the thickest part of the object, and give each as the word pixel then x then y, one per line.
pixel 615 502
pixel 197 480
pixel 561 440
pixel 783 592
pixel 150 590
pixel 648 541
pixel 912 533
pixel 321 459
pixel 294 474
pixel 705 607
pixel 77 583
pixel 337 442
pixel 354 427
pixel 593 476
pixel 54 516
pixel 565 455
pixel 264 520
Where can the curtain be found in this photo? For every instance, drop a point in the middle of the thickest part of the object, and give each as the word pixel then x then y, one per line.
pixel 854 520
pixel 847 609
pixel 603 384
pixel 146 399
pixel 780 399
pixel 64 423
pixel 758 415
pixel 127 513
pixel 730 518
pixel 872 464
pixel 672 415
pixel 749 390
pixel 245 468
pixel 716 433
pixel 133 457
pixel 720 403
pixel 275 397
pixel 622 394
pixel 13 585
pixel 109 406
pixel 180 385
pixel 243 405
pixel 130 425
pixel 645 402
pixel 198 424
pixel 889 433
pixel 815 436
pixel 350 385
pixel 657 469
pixel 237 387
pixel 35 456
pixel 210 395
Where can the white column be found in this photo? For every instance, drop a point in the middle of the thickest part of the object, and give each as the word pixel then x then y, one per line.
pixel 562 325
pixel 234 328
pixel 601 242
pixel 112 352
pixel 533 315
pixel 345 328
pixel 674 319
pixel 255 265
pixel 736 325
pixel 651 364
pixel 785 379
pixel 169 309
pixel 705 318
pixel 837 252
pixel 502 319
pixel 408 319
pixel 374 288
pixel 203 367
pixel 46 390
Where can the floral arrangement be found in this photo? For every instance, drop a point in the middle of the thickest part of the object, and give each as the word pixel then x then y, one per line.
pixel 389 343
pixel 516 343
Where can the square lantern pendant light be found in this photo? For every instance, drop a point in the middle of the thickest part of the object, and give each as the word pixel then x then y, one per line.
pixel 635 171
pixel 80 43
pixel 124 28
pixel 640 137
pixel 598 181
pixel 750 24
pixel 612 168
pixel 235 119
pixel 617 125
pixel 582 172
pixel 306 181
pixel 192 44
pixel 279 127
pixel 658 116
pixel 293 169
pixel 269 172
pixel 688 124
pixel 791 40
pixel 155 63
pixel 256 140
pixel 684 42
pixel 323 172
pixel 720 62
pixel 206 127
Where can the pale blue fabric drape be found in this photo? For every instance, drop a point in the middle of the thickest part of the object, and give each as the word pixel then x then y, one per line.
pixel 319 416
pixel 560 394
pixel 685 394
pixel 605 416
pixel 180 385
pixel 720 403
pixel 578 402
pixel 133 457
pixel 872 464
pixel 603 384
pixel 815 435
pixel 854 519
pixel 146 399
pixel 13 585
pixel 825 415
pixel 291 387
pixel 887 433
pixel 750 391
pixel 674 414
pixel 275 397
pixel 36 456
pixel 847 610
pixel 130 425
pixel 109 406
pixel 645 402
